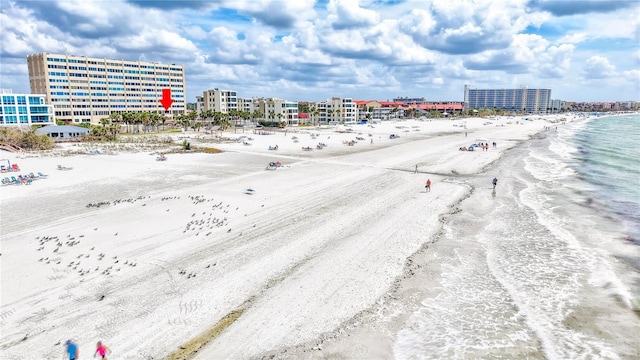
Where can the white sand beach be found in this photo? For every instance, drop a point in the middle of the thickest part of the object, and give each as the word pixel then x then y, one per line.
pixel 149 255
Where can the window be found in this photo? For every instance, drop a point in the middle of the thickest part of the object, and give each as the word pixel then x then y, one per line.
pixel 39 110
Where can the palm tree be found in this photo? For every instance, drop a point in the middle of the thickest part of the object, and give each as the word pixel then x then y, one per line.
pixel 145 120
pixel 163 119
pixel 114 129
pixel 338 114
pixel 115 117
pixel 316 112
pixel 256 114
pixel 312 113
pixel 127 119
pixel 155 119
pixel 135 120
pixel 393 112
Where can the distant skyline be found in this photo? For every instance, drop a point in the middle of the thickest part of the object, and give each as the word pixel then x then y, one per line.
pixel 368 49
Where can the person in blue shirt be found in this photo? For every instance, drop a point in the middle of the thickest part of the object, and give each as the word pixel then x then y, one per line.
pixel 495 182
pixel 72 350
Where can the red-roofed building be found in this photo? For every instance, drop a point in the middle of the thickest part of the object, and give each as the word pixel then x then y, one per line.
pixel 379 110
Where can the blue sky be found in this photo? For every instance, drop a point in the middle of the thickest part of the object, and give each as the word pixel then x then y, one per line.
pixel 366 49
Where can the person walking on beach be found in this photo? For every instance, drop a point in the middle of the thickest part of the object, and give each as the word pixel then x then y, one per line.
pixel 428 186
pixel 416 169
pixel 102 350
pixel 72 350
pixel 495 182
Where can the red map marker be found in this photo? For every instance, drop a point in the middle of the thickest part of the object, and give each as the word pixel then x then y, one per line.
pixel 166 100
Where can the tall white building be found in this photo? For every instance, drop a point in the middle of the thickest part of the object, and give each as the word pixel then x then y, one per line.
pixel 275 109
pixel 83 89
pixel 220 100
pixel 534 101
pixel 25 109
pixel 338 110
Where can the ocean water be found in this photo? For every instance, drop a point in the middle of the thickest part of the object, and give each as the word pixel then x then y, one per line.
pixel 548 265
pixel 607 158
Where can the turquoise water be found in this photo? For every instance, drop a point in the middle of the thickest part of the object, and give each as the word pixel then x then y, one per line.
pixel 608 158
pixel 542 269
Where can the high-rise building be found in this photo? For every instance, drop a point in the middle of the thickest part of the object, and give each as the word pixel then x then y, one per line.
pixel 83 89
pixel 519 100
pixel 24 109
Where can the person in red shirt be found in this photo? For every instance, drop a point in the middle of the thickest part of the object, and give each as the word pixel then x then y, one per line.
pixel 428 186
pixel 102 350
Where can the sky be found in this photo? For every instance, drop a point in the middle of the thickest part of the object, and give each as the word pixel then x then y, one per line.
pixel 312 50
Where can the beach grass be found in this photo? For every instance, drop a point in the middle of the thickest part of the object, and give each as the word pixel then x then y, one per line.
pixel 188 349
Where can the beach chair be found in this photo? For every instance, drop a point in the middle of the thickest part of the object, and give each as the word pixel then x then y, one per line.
pixel 42 175
pixel 272 166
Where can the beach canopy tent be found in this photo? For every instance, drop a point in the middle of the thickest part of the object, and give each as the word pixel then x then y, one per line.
pixel 62 132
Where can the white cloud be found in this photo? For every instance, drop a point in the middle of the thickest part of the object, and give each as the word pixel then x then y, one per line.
pixel 347 14
pixel 195 32
pixel 632 76
pixel 276 13
pixel 598 67
pixel 456 27
pixel 573 38
pixel 227 47
pixel 555 61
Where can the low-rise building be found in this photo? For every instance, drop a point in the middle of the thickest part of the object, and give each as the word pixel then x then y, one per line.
pixel 62 132
pixel 25 109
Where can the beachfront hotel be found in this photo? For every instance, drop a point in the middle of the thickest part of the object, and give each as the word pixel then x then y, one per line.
pixel 25 109
pixel 533 101
pixel 337 110
pixel 225 101
pixel 85 90
pixel 222 101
